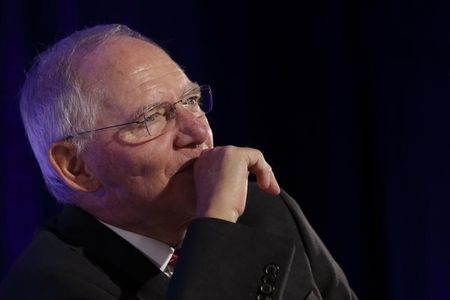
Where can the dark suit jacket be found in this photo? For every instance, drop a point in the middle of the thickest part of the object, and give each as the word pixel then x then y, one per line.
pixel 273 253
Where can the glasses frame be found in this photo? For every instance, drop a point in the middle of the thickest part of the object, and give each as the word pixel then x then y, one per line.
pixel 201 88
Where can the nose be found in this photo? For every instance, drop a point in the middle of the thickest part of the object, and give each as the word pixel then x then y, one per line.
pixel 191 130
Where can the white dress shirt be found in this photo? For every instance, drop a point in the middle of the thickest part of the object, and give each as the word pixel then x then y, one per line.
pixel 157 252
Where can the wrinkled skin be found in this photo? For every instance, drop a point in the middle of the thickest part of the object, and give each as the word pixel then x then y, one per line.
pixel 157 187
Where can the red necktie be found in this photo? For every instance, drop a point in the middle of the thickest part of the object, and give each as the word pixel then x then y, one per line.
pixel 173 259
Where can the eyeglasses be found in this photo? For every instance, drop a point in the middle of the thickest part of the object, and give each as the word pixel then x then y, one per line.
pixel 156 120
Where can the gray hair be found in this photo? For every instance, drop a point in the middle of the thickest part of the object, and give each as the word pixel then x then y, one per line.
pixel 54 106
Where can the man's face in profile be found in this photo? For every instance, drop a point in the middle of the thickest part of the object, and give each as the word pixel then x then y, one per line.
pixel 149 183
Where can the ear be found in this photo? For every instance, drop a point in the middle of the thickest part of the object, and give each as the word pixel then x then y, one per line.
pixel 72 168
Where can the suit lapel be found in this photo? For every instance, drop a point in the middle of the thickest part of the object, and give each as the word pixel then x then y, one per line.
pixel 124 264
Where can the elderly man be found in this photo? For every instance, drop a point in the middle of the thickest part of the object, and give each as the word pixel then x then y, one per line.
pixel 122 139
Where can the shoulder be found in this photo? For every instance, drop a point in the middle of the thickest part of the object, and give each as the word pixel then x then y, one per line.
pixel 257 199
pixel 273 213
pixel 52 269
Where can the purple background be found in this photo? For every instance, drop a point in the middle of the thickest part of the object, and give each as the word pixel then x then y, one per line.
pixel 348 100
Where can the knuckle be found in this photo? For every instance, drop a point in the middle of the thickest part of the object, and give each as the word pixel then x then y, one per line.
pixel 259 152
pixel 229 150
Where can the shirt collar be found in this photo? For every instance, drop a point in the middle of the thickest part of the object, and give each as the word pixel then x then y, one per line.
pixel 158 252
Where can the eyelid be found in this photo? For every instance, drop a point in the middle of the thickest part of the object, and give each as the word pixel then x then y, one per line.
pixel 186 93
pixel 194 92
pixel 140 113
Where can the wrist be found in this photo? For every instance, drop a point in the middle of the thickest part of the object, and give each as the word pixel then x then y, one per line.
pixel 230 215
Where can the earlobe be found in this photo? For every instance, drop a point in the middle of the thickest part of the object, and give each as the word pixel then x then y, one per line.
pixel 72 168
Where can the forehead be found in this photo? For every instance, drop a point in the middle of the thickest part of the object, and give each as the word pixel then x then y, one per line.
pixel 130 73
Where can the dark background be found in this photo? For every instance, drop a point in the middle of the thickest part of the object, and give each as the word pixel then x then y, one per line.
pixel 348 100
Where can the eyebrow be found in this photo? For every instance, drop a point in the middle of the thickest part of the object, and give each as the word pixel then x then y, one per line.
pixel 140 111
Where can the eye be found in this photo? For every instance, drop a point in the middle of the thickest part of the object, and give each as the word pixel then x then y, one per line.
pixel 154 115
pixel 193 100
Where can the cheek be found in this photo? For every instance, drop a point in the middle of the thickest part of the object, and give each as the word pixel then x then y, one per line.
pixel 148 165
pixel 121 167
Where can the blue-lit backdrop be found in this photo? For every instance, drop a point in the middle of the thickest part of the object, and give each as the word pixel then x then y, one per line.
pixel 348 100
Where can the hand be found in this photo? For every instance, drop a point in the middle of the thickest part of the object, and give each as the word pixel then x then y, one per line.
pixel 221 179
